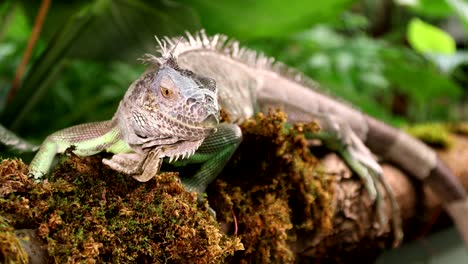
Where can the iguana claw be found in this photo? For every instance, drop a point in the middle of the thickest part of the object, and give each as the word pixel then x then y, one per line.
pixel 372 176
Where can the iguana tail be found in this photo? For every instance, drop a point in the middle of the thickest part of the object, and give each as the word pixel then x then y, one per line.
pixel 422 162
pixel 14 142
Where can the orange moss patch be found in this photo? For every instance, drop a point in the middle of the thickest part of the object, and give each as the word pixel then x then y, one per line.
pixel 11 250
pixel 273 189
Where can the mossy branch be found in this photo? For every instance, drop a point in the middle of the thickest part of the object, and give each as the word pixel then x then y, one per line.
pixel 275 201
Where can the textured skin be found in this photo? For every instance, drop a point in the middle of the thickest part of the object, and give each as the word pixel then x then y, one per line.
pixel 89 138
pixel 210 72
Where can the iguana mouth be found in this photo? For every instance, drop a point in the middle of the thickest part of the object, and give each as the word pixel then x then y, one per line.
pixel 180 150
pixel 185 149
pixel 210 122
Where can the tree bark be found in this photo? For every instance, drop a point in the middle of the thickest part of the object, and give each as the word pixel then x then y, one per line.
pixel 356 231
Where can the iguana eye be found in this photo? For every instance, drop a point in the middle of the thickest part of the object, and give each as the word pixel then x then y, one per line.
pixel 166 92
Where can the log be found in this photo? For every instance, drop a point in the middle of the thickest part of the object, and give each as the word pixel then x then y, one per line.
pixel 356 232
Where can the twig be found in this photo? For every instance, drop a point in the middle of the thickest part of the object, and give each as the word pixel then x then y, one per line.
pixel 41 14
pixel 235 221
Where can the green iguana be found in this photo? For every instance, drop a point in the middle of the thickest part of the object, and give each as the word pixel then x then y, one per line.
pixel 172 112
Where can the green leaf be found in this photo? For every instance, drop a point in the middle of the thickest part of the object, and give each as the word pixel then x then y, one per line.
pixel 426 38
pixel 246 19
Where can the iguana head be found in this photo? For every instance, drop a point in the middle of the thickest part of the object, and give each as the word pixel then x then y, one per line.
pixel 188 99
pixel 170 102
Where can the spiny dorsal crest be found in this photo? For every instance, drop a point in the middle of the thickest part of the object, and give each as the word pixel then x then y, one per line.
pixel 170 49
pixel 152 60
pixel 166 57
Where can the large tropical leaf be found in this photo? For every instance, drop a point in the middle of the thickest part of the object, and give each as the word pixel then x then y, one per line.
pixel 246 19
pixel 117 30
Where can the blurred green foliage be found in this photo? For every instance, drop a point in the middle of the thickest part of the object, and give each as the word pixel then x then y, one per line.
pixel 247 19
pixel 357 50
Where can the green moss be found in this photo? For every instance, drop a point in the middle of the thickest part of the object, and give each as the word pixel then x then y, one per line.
pixel 434 134
pixel 273 190
pixel 88 213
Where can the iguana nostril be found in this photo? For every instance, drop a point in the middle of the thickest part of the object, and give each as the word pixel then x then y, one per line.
pixel 208 98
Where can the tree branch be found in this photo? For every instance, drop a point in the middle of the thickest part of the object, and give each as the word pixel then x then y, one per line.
pixel 355 229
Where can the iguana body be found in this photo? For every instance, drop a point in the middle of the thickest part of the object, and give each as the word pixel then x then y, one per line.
pixel 147 128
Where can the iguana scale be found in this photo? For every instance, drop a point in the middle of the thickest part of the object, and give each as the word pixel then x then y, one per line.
pixel 171 112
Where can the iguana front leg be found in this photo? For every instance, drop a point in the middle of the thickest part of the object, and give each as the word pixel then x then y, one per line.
pixel 128 163
pixel 89 139
pixel 141 167
pixel 214 153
